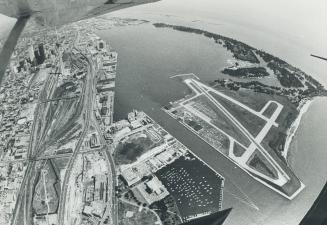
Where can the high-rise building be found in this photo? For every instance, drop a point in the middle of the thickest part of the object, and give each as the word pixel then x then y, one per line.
pixel 13 67
pixel 37 57
pixel 101 45
pixel 42 52
pixel 31 53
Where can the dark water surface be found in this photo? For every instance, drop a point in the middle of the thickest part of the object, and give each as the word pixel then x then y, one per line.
pixel 149 56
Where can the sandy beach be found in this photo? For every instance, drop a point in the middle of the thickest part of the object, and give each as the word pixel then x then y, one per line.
pixel 303 108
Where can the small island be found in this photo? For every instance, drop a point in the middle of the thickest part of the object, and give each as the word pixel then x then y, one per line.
pixel 246 72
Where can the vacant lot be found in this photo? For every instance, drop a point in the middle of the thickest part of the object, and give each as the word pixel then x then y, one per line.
pixel 46 198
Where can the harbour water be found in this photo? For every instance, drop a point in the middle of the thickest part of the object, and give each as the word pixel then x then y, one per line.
pixel 149 56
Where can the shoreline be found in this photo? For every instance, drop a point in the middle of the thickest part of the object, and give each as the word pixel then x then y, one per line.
pixel 303 108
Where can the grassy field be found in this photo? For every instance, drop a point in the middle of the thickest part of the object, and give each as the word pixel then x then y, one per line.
pixel 258 162
pixel 269 111
pixel 167 211
pixel 248 97
pixel 135 216
pixel 219 119
pixel 275 139
pixel 250 121
pixel 238 150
